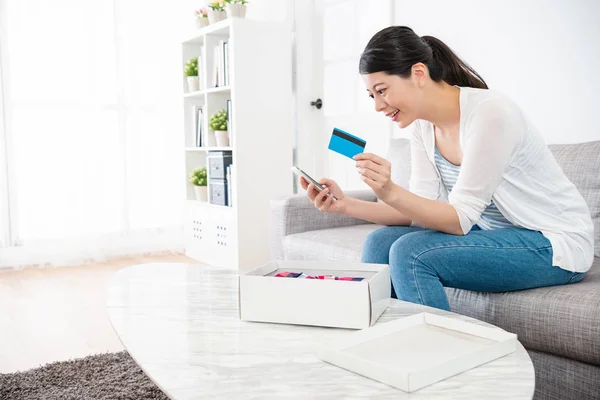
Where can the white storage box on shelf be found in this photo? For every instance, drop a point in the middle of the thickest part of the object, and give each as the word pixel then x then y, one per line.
pixel 417 351
pixel 331 303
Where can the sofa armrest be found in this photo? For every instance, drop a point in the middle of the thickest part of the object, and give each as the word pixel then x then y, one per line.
pixel 297 214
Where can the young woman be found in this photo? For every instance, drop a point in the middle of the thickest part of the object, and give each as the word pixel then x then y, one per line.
pixel 488 209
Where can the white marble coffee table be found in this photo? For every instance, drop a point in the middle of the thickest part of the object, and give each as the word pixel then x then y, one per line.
pixel 180 323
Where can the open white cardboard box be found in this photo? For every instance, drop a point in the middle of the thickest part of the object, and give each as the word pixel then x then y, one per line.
pixel 417 351
pixel 331 303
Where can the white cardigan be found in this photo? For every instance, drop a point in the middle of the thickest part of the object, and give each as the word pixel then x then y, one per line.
pixel 506 160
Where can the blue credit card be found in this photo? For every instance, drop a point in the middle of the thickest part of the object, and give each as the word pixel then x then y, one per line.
pixel 346 144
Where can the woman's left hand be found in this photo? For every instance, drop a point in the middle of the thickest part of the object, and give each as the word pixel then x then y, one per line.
pixel 376 172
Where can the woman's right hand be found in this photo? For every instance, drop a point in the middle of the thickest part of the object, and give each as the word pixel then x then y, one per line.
pixel 321 199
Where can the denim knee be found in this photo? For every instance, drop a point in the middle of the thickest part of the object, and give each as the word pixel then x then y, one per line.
pixel 372 251
pixel 404 252
pixel 377 245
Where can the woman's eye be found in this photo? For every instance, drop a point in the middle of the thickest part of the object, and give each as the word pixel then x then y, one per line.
pixel 371 96
pixel 381 91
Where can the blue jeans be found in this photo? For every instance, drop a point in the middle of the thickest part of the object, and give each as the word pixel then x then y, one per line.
pixel 422 262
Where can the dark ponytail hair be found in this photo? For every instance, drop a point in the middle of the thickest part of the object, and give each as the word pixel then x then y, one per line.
pixel 395 49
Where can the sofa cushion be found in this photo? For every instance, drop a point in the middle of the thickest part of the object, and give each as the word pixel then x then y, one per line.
pixel 581 164
pixel 337 244
pixel 561 320
pixel 560 378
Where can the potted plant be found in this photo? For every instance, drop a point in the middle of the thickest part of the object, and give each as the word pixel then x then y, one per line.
pixel 191 71
pixel 217 11
pixel 236 8
pixel 201 17
pixel 218 123
pixel 198 179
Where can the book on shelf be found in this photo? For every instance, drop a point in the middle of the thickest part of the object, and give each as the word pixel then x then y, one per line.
pixel 200 71
pixel 217 66
pixel 225 63
pixel 229 180
pixel 193 121
pixel 199 128
pixel 230 122
pixel 196 137
pixel 221 64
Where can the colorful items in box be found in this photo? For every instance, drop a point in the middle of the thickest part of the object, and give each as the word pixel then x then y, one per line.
pixel 302 275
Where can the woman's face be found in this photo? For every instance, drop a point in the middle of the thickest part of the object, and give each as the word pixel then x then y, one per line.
pixel 396 97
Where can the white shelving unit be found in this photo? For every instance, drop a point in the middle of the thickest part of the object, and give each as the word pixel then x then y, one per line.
pixel 260 89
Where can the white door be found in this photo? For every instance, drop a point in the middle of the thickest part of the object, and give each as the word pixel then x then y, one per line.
pixel 330 36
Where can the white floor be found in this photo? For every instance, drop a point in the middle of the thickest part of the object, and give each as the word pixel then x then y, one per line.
pixel 56 314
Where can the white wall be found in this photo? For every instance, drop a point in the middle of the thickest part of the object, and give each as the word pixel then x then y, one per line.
pixel 271 10
pixel 545 54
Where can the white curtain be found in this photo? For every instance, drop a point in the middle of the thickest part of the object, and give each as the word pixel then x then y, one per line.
pixel 93 126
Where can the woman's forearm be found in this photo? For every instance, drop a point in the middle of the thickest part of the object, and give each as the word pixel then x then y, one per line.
pixel 376 212
pixel 425 212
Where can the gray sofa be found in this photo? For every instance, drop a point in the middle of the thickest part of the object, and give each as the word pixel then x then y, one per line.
pixel 559 326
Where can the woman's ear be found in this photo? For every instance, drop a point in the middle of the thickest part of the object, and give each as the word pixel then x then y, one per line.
pixel 419 73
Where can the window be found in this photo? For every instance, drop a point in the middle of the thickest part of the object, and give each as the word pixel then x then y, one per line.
pixel 92 104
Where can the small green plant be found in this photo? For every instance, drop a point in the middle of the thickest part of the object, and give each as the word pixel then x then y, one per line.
pixel 217 5
pixel 236 1
pixel 218 121
pixel 191 67
pixel 198 177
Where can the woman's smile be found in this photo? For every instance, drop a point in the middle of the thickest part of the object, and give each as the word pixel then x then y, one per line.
pixel 393 115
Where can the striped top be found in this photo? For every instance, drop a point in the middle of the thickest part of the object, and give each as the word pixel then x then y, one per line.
pixel 491 218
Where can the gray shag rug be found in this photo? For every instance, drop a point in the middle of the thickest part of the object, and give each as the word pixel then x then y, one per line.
pixel 113 376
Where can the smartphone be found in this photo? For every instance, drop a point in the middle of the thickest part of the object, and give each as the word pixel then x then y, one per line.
pixel 309 178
